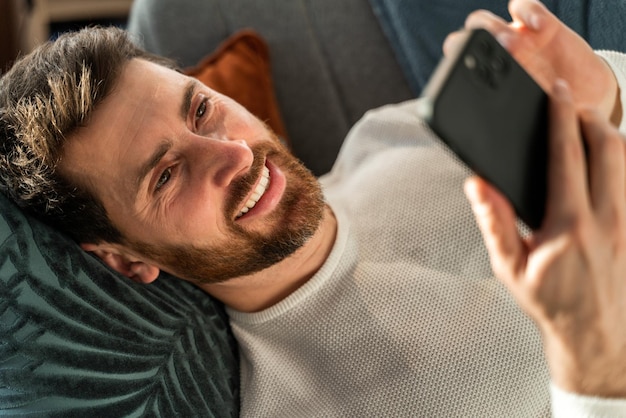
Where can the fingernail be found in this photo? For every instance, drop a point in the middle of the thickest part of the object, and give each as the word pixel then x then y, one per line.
pixel 534 22
pixel 472 192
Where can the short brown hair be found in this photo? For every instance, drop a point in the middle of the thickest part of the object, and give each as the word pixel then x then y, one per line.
pixel 44 97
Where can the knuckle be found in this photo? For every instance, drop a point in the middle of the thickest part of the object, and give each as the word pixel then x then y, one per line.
pixel 589 114
pixel 576 227
pixel 599 133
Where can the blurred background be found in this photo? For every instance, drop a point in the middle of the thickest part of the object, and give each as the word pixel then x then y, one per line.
pixel 25 24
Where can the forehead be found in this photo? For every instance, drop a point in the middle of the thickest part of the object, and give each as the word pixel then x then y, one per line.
pixel 140 80
pixel 143 107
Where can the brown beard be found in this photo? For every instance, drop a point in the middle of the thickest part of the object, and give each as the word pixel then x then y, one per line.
pixel 297 218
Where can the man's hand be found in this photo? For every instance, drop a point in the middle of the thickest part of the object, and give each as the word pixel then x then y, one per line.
pixel 570 276
pixel 548 50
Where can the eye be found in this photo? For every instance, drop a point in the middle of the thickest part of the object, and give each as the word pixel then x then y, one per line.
pixel 165 177
pixel 201 109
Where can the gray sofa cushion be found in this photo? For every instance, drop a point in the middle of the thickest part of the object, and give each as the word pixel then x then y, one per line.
pixel 330 60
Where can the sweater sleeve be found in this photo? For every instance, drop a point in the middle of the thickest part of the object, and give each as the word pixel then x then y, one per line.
pixel 617 62
pixel 571 405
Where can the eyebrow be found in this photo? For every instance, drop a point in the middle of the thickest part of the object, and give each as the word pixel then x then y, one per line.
pixel 165 146
pixel 187 99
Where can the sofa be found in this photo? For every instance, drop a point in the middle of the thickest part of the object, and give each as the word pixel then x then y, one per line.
pixel 77 339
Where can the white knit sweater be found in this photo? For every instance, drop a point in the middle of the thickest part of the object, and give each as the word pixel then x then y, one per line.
pixel 405 319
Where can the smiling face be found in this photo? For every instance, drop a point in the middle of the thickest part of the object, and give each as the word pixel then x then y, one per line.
pixel 197 185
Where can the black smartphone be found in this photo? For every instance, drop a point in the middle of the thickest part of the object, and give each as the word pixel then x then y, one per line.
pixel 493 116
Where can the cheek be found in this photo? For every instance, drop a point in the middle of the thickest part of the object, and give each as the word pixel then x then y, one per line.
pixel 197 213
pixel 241 124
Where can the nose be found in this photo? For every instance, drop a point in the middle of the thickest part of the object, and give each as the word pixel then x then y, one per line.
pixel 221 159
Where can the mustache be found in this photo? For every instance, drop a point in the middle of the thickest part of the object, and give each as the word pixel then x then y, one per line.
pixel 240 187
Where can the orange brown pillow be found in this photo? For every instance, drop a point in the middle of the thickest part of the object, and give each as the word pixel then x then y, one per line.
pixel 240 69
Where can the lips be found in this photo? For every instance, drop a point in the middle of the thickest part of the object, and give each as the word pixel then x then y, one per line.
pixel 258 192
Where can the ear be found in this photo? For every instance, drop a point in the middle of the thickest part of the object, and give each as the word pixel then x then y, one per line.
pixel 123 263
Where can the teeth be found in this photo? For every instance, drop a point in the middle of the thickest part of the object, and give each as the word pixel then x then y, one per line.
pixel 257 193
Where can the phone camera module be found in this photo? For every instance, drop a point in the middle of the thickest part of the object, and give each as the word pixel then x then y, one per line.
pixel 470 61
pixel 482 71
pixel 499 64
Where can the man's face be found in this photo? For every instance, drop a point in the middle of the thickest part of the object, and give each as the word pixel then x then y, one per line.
pixel 197 185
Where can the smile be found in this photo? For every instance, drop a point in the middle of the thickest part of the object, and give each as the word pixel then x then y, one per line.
pixel 258 192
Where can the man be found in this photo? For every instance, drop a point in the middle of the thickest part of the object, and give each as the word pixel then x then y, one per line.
pixel 380 301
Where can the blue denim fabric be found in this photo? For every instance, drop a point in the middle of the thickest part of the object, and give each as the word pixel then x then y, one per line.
pixel 416 29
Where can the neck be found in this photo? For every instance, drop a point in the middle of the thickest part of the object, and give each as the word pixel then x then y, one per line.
pixel 263 289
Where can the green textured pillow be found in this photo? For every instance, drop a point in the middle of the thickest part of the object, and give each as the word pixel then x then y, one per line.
pixel 77 339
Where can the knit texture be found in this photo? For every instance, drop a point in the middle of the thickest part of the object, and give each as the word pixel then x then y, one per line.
pixel 405 318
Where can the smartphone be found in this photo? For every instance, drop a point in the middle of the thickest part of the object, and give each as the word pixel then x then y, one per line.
pixel 493 116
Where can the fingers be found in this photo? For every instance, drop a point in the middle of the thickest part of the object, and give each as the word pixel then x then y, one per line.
pixel 528 38
pixel 527 15
pixel 530 13
pixel 497 222
pixel 452 42
pixel 606 156
pixel 498 27
pixel 538 24
pixel 567 173
pixel 481 19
